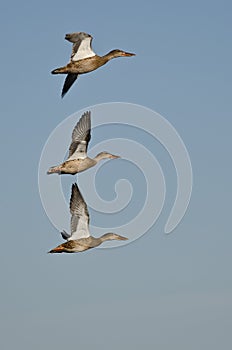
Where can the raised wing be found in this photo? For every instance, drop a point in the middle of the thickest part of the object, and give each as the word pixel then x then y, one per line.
pixel 80 138
pixel 70 79
pixel 79 215
pixel 81 45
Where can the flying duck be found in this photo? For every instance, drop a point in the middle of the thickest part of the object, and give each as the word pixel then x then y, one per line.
pixel 83 59
pixel 80 239
pixel 78 160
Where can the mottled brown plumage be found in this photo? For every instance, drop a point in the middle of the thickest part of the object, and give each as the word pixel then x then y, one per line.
pixel 75 166
pixel 82 244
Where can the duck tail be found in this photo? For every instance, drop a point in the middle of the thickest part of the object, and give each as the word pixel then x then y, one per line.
pixel 62 70
pixel 54 169
pixel 59 249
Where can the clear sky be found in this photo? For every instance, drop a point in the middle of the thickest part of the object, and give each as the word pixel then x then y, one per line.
pixel 160 291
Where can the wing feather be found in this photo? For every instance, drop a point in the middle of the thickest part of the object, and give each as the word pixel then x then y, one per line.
pixel 79 215
pixel 80 137
pixel 69 81
pixel 81 45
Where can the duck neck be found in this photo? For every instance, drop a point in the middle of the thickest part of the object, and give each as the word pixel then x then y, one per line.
pixel 100 156
pixel 109 56
pixel 107 237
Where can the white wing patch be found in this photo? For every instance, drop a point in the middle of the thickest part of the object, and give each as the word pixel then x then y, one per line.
pixel 80 152
pixel 82 227
pixel 79 215
pixel 84 50
pixel 80 138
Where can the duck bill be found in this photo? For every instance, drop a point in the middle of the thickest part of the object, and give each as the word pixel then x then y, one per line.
pixel 121 238
pixel 128 54
pixel 114 157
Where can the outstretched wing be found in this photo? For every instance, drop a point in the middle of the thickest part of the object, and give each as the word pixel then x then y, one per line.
pixel 79 215
pixel 69 80
pixel 81 45
pixel 80 138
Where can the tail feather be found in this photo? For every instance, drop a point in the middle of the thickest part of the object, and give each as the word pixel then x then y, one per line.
pixel 54 169
pixel 61 70
pixel 58 249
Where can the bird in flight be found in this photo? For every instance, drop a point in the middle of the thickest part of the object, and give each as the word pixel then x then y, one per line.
pixel 80 239
pixel 83 59
pixel 78 160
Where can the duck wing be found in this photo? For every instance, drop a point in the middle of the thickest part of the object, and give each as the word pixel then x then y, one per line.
pixel 79 215
pixel 69 80
pixel 65 235
pixel 82 45
pixel 80 138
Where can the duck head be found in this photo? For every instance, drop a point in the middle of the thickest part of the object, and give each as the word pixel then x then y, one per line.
pixel 105 155
pixel 119 53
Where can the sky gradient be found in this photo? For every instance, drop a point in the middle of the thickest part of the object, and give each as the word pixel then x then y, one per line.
pixel 160 291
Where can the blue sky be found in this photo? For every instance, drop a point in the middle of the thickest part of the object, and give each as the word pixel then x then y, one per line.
pixel 160 291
